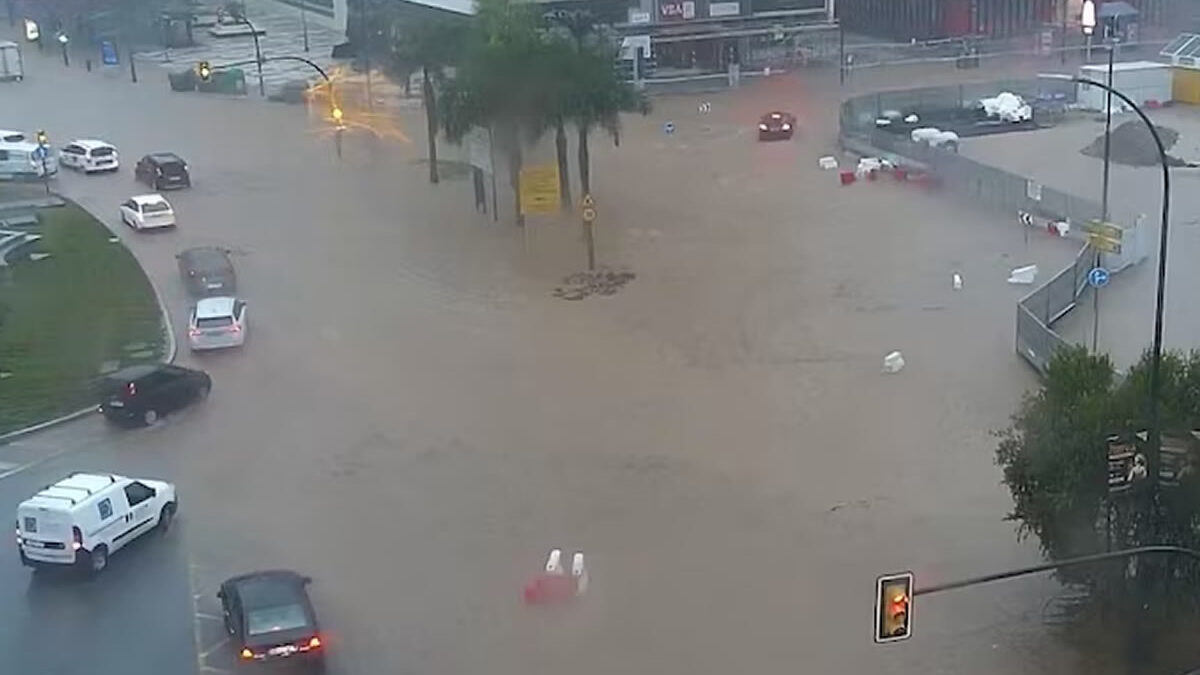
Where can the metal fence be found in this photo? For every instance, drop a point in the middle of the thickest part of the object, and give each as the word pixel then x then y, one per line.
pixel 1037 312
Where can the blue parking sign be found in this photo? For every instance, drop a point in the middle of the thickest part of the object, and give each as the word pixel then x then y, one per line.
pixel 108 53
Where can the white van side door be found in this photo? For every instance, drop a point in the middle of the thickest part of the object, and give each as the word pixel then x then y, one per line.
pixel 121 533
pixel 143 514
pixel 109 520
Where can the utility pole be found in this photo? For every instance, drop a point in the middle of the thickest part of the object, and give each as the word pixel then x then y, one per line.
pixel 588 214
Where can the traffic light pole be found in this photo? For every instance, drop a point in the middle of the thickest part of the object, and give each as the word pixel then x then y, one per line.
pixel 1061 564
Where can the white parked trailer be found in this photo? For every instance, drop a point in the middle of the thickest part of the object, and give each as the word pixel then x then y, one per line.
pixel 12 68
pixel 1142 81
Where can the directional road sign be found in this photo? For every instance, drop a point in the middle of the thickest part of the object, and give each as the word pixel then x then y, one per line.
pixel 1098 277
pixel 589 209
pixel 108 53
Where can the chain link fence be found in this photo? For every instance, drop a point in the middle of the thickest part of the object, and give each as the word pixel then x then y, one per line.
pixel 1037 312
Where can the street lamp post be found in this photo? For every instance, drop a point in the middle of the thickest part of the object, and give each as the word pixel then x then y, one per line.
pixel 304 22
pixel 1155 432
pixel 1088 21
pixel 258 57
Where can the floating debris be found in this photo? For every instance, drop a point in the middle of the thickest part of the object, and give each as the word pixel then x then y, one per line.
pixel 599 282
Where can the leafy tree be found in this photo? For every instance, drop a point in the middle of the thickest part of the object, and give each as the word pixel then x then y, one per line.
pixel 1054 458
pixel 429 45
pixel 497 83
pixel 598 99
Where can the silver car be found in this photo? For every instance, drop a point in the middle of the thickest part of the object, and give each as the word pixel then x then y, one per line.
pixel 217 323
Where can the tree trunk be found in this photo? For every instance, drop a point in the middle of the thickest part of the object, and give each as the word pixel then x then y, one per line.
pixel 564 166
pixel 514 176
pixel 585 169
pixel 431 122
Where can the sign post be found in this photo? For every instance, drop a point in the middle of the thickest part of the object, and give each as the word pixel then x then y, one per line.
pixel 588 213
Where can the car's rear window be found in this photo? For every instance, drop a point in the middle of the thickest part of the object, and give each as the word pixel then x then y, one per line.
pixel 275 619
pixel 102 152
pixel 214 322
pixel 171 167
pixel 155 207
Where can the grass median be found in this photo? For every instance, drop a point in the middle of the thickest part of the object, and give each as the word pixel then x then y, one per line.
pixel 72 305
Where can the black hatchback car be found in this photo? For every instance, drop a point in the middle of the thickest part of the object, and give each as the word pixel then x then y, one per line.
pixel 270 619
pixel 207 270
pixel 163 171
pixel 144 394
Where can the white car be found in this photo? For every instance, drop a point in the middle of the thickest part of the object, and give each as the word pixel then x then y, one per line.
pixel 88 155
pixel 84 518
pixel 144 212
pixel 216 323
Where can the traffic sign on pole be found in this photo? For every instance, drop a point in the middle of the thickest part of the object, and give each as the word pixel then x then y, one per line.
pixel 589 209
pixel 1098 277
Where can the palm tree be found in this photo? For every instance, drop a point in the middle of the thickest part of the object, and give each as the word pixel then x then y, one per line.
pixel 600 98
pixel 429 45
pixel 497 84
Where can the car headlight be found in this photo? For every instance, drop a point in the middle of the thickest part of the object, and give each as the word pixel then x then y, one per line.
pixel 787 127
pixel 762 127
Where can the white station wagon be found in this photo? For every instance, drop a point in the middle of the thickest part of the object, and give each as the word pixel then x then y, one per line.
pixel 145 212
pixel 88 155
pixel 84 518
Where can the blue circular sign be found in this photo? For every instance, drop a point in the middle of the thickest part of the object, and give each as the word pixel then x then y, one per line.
pixel 1098 277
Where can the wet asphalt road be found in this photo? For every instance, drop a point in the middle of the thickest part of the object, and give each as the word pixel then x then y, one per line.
pixel 414 421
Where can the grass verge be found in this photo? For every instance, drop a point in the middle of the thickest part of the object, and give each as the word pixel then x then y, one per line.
pixel 65 318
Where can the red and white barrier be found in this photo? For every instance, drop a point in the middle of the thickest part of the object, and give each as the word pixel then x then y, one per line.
pixel 553 586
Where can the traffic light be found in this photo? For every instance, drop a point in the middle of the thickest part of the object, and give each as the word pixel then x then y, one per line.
pixel 893 607
pixel 204 71
pixel 43 138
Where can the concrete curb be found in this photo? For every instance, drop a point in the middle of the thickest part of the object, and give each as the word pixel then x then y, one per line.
pixel 169 356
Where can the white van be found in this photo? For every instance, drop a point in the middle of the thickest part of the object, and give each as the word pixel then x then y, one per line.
pixel 84 518
pixel 12 68
pixel 18 160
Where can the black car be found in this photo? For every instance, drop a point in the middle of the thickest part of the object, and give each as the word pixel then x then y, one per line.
pixel 270 619
pixel 144 394
pixel 776 126
pixel 163 171
pixel 207 270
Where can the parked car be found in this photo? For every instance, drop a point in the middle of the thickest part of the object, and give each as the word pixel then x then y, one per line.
pixel 89 155
pixel 776 126
pixel 145 394
pixel 163 171
pixel 146 212
pixel 84 518
pixel 216 323
pixel 207 271
pixel 270 619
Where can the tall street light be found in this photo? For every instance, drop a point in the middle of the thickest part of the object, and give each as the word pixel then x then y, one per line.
pixel 258 57
pixel 1155 435
pixel 1088 22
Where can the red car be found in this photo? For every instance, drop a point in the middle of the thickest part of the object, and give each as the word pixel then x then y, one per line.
pixel 776 126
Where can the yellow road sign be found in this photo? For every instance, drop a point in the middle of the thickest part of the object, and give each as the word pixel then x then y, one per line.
pixel 539 189
pixel 1106 230
pixel 1105 244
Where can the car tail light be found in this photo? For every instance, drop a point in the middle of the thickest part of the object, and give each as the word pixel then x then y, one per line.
pixel 76 539
pixel 194 332
pixel 234 328
pixel 314 642
pixel 787 127
pixel 246 653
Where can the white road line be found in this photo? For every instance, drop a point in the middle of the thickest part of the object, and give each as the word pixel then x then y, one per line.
pixel 200 655
pixel 209 617
pixel 38 462
pixel 204 654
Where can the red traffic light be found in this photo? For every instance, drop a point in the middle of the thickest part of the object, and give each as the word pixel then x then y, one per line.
pixel 893 607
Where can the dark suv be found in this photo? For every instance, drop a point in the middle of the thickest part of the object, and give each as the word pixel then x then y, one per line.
pixel 163 171
pixel 143 394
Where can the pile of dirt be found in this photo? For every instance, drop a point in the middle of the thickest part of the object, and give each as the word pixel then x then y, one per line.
pixel 1132 145
pixel 600 282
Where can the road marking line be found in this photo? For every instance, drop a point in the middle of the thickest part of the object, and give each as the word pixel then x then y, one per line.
pixel 39 461
pixel 209 617
pixel 200 656
pixel 210 669
pixel 204 655
pixel 5 466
